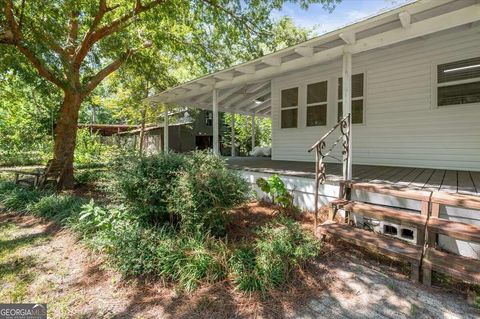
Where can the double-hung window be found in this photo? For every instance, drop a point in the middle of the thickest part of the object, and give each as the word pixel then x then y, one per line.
pixel 458 82
pixel 358 99
pixel 289 103
pixel 317 103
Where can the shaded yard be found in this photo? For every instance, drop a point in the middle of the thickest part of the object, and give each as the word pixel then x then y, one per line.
pixel 40 262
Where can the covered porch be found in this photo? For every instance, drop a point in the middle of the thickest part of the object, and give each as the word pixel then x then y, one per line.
pixel 426 179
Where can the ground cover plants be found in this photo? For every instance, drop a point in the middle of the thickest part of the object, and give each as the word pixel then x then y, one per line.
pixel 167 216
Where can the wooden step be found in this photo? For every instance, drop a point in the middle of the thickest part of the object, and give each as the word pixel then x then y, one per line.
pixel 390 190
pixel 454 229
pixel 462 268
pixel 373 241
pixel 458 200
pixel 381 212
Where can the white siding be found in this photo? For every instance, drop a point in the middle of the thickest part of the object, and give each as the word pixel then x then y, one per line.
pixel 402 126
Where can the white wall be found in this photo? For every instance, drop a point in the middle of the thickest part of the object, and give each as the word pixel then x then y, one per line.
pixel 402 126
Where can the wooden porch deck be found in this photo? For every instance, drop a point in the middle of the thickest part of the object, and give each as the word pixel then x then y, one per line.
pixel 451 181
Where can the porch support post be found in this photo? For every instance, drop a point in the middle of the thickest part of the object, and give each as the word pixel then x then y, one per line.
pixel 165 129
pixel 216 148
pixel 253 131
pixel 232 124
pixel 347 109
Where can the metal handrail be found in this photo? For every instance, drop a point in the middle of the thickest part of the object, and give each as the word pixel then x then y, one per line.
pixel 320 154
pixel 329 132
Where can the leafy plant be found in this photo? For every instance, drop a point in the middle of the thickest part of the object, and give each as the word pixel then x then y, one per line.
pixel 275 188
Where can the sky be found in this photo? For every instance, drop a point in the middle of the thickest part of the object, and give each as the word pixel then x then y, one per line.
pixel 346 12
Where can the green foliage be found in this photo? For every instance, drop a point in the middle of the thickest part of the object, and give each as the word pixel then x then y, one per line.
pixel 140 249
pixel 146 183
pixel 91 150
pixel 275 188
pixel 280 247
pixel 44 203
pixel 16 198
pixel 204 191
pixel 195 189
pixel 59 207
pixel 93 218
pixel 243 132
pixel 87 176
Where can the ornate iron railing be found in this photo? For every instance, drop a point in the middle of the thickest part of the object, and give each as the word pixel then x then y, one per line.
pixel 320 154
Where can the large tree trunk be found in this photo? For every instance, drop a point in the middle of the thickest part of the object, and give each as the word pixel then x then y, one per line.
pixel 65 138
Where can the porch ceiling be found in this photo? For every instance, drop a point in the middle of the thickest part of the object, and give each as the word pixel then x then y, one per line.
pixel 245 88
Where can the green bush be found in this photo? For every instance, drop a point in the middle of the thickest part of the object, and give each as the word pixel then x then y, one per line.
pixel 204 191
pixel 280 247
pixel 145 183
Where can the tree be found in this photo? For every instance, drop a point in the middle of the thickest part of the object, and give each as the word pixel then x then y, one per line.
pixel 75 44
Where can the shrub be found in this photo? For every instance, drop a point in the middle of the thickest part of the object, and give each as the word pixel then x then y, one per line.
pixel 145 183
pixel 204 191
pixel 280 247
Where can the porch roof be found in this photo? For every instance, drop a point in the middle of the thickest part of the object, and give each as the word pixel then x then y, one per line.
pixel 245 88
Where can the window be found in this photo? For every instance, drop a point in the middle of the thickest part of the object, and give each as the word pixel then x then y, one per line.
pixel 317 103
pixel 208 118
pixel 289 103
pixel 458 82
pixel 357 99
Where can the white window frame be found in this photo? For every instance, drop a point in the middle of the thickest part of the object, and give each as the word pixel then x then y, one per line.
pixel 363 97
pixel 436 85
pixel 316 104
pixel 297 107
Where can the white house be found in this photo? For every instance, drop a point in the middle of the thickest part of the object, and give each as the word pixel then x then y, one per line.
pixel 409 77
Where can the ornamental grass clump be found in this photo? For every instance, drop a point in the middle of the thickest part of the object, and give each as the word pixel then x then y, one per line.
pixel 280 247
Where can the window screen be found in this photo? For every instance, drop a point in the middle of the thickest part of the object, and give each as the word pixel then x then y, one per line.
pixel 357 99
pixel 458 82
pixel 317 103
pixel 289 104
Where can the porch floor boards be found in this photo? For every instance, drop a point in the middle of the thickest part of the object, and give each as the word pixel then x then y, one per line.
pixel 451 181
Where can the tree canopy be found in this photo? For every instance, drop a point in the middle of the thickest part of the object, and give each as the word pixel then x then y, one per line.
pixel 74 45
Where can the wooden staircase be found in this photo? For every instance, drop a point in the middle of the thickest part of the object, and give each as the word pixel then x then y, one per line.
pixel 408 227
pixel 410 232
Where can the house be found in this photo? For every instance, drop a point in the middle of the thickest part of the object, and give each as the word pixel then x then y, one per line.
pixel 401 91
pixel 188 133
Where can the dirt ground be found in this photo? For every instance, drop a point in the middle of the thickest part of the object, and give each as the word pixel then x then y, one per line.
pixel 41 263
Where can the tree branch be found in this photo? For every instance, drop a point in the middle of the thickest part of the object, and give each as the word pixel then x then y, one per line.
pixel 42 69
pixel 13 35
pixel 106 71
pixel 73 34
pixel 93 35
pixel 247 24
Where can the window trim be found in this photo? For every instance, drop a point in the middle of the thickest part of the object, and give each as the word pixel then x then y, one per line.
pixel 317 103
pixel 364 97
pixel 297 107
pixel 435 85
